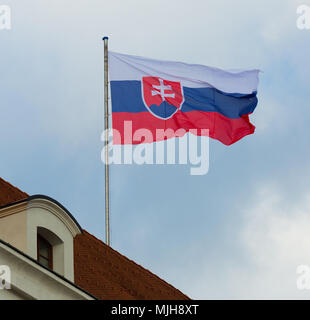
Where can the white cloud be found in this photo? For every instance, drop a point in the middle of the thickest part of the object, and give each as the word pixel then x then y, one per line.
pixel 276 240
pixel 260 259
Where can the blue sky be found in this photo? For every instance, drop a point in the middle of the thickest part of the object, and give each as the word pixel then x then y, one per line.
pixel 238 232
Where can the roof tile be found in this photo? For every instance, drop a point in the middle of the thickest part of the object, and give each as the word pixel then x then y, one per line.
pixel 10 194
pixel 113 276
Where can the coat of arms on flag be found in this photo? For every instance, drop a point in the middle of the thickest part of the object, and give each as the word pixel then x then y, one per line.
pixel 163 98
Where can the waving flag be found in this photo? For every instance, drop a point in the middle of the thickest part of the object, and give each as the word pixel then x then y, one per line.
pixel 153 94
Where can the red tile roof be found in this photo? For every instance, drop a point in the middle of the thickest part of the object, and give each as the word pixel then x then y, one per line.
pixel 10 194
pixel 107 274
pixel 102 271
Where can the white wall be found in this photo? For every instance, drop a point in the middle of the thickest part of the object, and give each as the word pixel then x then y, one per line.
pixel 20 224
pixel 31 281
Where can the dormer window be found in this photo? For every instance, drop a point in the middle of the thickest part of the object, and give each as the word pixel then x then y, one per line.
pixel 45 252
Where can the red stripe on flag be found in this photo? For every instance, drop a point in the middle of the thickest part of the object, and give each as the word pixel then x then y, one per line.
pixel 221 128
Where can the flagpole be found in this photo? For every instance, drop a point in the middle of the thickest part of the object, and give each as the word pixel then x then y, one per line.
pixel 106 138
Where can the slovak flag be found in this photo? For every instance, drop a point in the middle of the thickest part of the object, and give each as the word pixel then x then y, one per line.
pixel 153 94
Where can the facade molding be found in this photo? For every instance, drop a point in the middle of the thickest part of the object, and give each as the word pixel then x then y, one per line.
pixel 30 280
pixel 14 208
pixel 57 211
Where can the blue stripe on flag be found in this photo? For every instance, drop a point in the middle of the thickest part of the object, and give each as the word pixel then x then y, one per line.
pixel 127 97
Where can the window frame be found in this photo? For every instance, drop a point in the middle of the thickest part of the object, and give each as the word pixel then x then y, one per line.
pixel 50 250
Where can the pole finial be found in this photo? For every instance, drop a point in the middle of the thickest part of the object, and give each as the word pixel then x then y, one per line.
pixel 105 38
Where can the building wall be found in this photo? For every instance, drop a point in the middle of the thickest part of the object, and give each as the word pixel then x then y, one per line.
pixel 62 251
pixel 11 295
pixel 12 226
pixel 29 280
pixel 20 225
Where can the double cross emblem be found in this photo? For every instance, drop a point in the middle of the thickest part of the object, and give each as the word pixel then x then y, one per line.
pixel 161 90
pixel 163 98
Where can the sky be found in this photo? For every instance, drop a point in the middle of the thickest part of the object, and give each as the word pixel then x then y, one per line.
pixel 238 232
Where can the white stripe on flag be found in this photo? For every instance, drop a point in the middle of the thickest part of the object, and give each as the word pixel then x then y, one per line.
pixel 127 67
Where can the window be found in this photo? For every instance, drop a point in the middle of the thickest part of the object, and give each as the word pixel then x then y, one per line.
pixel 45 253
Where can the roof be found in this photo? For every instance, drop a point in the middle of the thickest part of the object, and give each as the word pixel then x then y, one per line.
pixel 109 275
pixel 10 194
pixel 102 271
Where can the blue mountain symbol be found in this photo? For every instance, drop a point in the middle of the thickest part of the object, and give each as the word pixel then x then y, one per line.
pixel 164 110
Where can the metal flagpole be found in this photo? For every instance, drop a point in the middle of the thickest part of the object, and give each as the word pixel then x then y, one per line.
pixel 106 138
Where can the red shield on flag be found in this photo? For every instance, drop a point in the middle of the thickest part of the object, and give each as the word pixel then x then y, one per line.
pixel 163 98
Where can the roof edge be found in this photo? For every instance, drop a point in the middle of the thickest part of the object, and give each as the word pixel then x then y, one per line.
pixel 43 197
